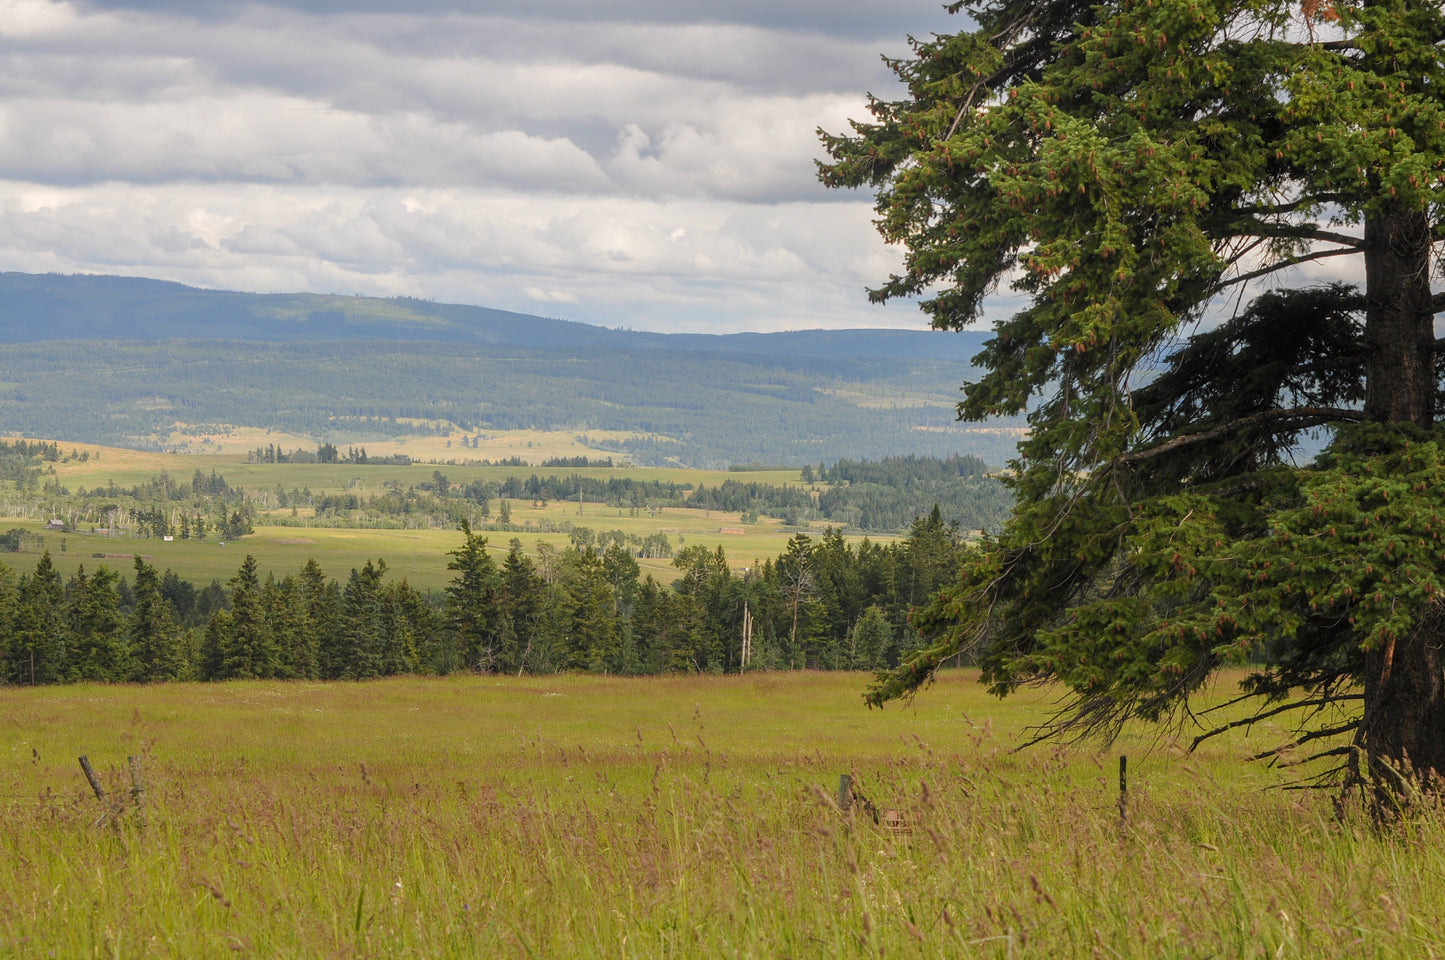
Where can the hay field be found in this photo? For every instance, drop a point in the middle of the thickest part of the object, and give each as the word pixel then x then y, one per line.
pixel 531 445
pixel 130 467
pixel 419 555
pixel 682 817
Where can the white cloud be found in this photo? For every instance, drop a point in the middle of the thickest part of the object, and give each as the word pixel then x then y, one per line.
pixel 651 168
pixel 550 296
pixel 29 18
pixel 683 263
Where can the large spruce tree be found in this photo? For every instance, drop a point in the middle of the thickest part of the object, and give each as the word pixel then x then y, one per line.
pixel 1129 169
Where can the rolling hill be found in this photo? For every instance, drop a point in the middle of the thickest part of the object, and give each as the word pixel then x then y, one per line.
pixel 131 361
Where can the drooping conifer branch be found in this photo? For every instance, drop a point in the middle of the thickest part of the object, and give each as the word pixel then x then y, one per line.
pixel 1249 721
pixel 1295 416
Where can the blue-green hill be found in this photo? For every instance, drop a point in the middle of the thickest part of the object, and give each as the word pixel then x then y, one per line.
pixel 123 360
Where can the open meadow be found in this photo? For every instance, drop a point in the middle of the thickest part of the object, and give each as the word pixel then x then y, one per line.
pixel 420 555
pixel 684 817
pixel 285 539
pixel 128 467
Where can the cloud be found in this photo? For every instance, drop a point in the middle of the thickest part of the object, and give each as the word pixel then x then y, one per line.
pixel 265 100
pixel 850 18
pixel 643 164
pixel 29 18
pixel 699 264
pixel 550 296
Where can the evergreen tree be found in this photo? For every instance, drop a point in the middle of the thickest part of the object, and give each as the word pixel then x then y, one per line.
pixel 1127 166
pixel 213 646
pixel 40 635
pixel 473 610
pixel 9 600
pixel 287 620
pixel 594 641
pixel 182 597
pixel 839 578
pixel 702 638
pixel 521 606
pixel 248 648
pixel 795 581
pixel 155 638
pixel 99 648
pixel 401 635
pixel 362 634
pixel 648 626
pixel 319 599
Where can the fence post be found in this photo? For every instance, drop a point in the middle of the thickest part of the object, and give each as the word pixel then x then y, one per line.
pixel 1123 787
pixel 94 781
pixel 137 787
pixel 845 792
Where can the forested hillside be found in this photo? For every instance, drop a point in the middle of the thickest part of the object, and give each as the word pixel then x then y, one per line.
pixel 682 400
pixel 36 307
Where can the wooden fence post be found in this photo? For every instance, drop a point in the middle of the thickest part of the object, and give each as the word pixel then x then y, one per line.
pixel 1123 787
pixel 94 781
pixel 137 787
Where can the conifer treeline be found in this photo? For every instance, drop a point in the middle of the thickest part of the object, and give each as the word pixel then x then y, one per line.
pixel 822 604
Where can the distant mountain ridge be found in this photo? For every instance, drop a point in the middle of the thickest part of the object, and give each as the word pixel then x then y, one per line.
pixel 132 361
pixel 43 307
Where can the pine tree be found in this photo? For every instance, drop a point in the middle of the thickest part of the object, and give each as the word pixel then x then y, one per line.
pixel 99 648
pixel 290 627
pixel 154 637
pixel 213 646
pixel 249 650
pixel 1129 168
pixel 9 601
pixel 412 630
pixel 594 641
pixel 40 637
pixel 473 610
pixel 521 608
pixel 319 598
pixel 361 637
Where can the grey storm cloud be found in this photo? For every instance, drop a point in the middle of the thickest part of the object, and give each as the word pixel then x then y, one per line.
pixel 648 164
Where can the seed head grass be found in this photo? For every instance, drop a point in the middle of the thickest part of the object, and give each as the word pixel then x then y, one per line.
pixel 685 817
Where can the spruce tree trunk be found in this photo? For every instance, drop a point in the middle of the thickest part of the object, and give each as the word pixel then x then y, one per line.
pixel 1399 321
pixel 1403 725
pixel 1404 715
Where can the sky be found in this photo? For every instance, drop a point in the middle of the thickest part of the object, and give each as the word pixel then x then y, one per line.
pixel 642 163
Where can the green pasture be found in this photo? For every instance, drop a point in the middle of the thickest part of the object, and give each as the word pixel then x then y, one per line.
pixel 681 817
pixel 420 555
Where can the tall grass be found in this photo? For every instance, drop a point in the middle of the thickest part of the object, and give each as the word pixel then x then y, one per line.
pixel 584 816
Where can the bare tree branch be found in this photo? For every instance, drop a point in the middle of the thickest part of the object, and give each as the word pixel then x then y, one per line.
pixel 1290 262
pixel 1277 754
pixel 1274 756
pixel 1304 415
pixel 1254 718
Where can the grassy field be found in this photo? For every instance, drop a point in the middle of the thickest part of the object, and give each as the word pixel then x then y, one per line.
pixel 419 555
pixel 689 817
pixel 130 467
pixel 532 446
